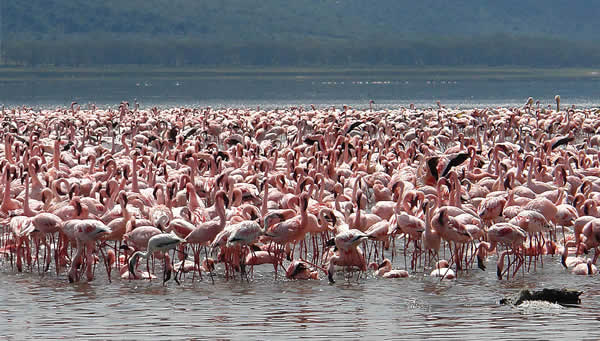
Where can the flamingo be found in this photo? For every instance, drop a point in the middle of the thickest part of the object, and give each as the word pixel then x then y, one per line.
pixel 87 232
pixel 319 171
pixel 300 270
pixel 348 254
pixel 160 243
pixel 384 269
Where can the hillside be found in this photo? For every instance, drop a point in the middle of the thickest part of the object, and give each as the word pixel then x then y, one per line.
pixel 299 32
pixel 334 19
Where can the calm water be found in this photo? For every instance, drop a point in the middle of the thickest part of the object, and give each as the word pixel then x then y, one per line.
pixel 388 93
pixel 47 307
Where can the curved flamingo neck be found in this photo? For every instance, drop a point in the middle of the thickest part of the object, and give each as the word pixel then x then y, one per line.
pixel 346 155
pixel 35 180
pixel 124 144
pixel 428 227
pixel 92 165
pixel 194 171
pixel 125 212
pixel 194 203
pixel 321 190
pixel 530 173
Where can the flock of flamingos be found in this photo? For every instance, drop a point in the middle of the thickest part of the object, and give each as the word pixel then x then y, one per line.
pixel 320 193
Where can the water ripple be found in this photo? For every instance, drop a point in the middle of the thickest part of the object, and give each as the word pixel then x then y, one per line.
pixel 419 307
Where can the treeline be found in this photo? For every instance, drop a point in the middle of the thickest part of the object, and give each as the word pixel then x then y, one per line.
pixel 265 20
pixel 496 50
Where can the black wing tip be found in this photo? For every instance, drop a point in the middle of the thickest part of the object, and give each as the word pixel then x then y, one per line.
pixel 562 141
pixel 432 164
pixel 353 126
pixel 456 161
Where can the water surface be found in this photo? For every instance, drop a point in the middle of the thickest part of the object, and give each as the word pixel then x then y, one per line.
pixel 280 93
pixel 46 307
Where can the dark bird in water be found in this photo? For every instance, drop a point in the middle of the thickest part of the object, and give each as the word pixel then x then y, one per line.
pixel 561 296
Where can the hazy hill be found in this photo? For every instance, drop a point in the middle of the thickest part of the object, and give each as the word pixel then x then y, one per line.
pixel 239 26
pixel 261 19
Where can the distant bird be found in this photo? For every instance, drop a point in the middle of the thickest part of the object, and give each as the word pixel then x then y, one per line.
pixel 529 103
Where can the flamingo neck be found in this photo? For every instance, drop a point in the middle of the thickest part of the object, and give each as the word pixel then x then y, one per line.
pixel 92 166
pixel 125 212
pixel 6 197
pixel 530 173
pixel 26 209
pixel 193 200
pixel 8 149
pixel 56 156
pixel 357 216
pixel 124 144
pixel 134 177
pixel 263 209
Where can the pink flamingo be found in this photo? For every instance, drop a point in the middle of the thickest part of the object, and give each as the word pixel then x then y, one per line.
pixel 87 232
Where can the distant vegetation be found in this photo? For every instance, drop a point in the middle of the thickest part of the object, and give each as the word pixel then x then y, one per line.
pixel 300 33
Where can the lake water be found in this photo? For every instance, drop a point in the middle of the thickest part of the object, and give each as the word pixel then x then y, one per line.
pixel 279 93
pixel 34 306
pixel 418 307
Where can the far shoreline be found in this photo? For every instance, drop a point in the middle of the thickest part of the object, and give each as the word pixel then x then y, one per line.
pixel 374 73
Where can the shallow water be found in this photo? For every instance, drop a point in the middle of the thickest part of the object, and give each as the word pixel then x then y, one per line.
pixel 46 307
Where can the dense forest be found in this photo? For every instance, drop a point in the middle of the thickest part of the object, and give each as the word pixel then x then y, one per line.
pixel 299 33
